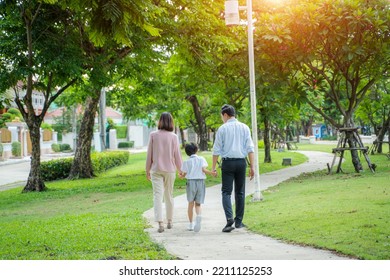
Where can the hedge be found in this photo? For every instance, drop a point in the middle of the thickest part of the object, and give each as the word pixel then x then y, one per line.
pixel 16 149
pixel 15 112
pixel 129 144
pixel 60 147
pixel 65 147
pixel 56 169
pixel 55 147
pixel 60 168
pixel 121 131
pixel 106 160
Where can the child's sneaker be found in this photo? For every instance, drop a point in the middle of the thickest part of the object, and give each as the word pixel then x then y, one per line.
pixel 190 227
pixel 197 223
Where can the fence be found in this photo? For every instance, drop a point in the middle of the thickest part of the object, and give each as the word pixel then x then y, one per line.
pixel 5 135
pixel 47 135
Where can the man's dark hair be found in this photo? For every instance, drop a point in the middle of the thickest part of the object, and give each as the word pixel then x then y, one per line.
pixel 191 149
pixel 229 110
pixel 166 122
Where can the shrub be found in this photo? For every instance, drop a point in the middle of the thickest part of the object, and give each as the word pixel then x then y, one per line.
pixel 60 147
pixel 65 147
pixel 55 147
pixel 59 168
pixel 16 149
pixel 1 150
pixel 261 144
pixel 129 144
pixel 7 116
pixel 56 169
pixel 4 118
pixel 15 112
pixel 121 131
pixel 210 145
pixel 46 126
pixel 329 138
pixel 111 124
pixel 103 161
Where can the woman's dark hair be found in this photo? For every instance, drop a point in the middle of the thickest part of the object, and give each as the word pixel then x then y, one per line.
pixel 166 122
pixel 229 110
pixel 191 149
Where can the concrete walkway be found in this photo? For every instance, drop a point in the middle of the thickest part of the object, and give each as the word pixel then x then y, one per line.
pixel 14 174
pixel 212 244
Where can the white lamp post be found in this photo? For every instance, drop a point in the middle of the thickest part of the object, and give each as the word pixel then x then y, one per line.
pixel 232 18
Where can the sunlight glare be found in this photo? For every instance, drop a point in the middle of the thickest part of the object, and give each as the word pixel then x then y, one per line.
pixel 278 2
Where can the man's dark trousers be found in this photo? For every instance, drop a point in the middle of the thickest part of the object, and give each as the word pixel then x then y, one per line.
pixel 233 171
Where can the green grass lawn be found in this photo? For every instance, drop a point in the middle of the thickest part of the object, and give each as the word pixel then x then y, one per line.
pixel 101 218
pixel 347 212
pixel 327 148
pixel 83 219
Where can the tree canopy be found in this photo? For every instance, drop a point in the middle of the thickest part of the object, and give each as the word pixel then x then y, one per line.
pixel 179 56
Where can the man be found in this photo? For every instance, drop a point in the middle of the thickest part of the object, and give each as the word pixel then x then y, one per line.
pixel 233 143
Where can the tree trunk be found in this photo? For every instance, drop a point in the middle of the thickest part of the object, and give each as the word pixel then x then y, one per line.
pixel 267 142
pixel 35 181
pixel 274 137
pixel 352 143
pixel 354 153
pixel 306 125
pixel 379 145
pixel 200 128
pixel 381 134
pixel 289 133
pixel 183 141
pixel 82 164
pixel 298 131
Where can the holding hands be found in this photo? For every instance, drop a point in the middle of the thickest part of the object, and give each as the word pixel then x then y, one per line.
pixel 182 175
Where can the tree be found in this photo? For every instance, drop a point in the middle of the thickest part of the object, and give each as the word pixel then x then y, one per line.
pixel 65 41
pixel 118 29
pixel 39 53
pixel 216 60
pixel 334 49
pixel 192 72
pixel 186 84
pixel 11 115
pixel 375 111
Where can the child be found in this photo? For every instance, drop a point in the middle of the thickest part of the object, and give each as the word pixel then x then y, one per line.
pixel 194 169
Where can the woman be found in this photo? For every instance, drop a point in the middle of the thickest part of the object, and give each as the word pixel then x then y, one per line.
pixel 163 159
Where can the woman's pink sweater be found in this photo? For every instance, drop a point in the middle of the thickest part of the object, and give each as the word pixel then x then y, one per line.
pixel 163 152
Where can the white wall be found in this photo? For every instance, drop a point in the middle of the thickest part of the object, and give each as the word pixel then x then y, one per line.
pixel 136 134
pixel 68 139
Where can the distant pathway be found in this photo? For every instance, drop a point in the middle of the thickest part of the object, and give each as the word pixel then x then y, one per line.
pixel 211 244
pixel 14 175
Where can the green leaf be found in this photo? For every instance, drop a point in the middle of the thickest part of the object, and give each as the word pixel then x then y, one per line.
pixel 151 30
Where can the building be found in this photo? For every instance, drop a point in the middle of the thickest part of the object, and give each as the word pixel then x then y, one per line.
pixel 115 115
pixel 38 99
pixel 319 131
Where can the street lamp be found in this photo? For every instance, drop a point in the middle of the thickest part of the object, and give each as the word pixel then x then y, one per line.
pixel 232 18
